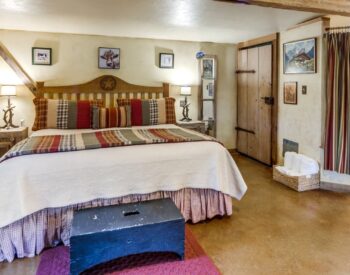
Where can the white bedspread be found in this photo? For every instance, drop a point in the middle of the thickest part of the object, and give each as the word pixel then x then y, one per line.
pixel 34 182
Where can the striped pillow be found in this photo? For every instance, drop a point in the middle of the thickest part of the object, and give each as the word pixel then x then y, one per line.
pixel 111 117
pixel 150 111
pixel 63 114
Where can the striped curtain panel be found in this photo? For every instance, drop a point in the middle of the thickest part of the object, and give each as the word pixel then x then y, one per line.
pixel 337 131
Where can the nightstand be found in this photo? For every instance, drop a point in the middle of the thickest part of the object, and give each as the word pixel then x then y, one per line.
pixel 10 137
pixel 198 126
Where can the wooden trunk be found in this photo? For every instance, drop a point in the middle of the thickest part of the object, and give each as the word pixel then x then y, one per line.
pixel 106 233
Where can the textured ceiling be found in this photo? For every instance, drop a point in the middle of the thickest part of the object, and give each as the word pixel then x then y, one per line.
pixel 194 20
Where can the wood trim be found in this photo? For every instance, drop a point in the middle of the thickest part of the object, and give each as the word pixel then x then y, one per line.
pixel 308 22
pixel 20 72
pixel 106 86
pixel 275 85
pixel 257 41
pixel 339 7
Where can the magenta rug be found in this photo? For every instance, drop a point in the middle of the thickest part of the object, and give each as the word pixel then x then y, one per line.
pixel 55 261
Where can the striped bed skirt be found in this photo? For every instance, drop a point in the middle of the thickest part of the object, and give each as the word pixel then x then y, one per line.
pixel 50 227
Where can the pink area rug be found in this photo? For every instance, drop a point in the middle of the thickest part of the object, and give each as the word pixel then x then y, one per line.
pixel 55 261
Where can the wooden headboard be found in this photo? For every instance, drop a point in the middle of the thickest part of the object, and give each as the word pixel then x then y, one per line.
pixel 107 87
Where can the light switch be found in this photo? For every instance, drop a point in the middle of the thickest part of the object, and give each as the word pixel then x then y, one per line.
pixel 304 89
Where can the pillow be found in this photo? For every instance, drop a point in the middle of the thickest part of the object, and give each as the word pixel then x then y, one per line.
pixel 63 114
pixel 111 117
pixel 150 111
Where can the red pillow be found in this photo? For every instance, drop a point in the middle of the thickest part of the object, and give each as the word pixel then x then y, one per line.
pixel 83 114
pixel 136 112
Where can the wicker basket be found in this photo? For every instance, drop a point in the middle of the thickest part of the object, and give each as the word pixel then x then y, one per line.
pixel 300 183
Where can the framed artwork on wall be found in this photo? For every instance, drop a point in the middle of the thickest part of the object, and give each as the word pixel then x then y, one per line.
pixel 41 56
pixel 108 58
pixel 166 60
pixel 299 57
pixel 208 68
pixel 290 93
pixel 208 88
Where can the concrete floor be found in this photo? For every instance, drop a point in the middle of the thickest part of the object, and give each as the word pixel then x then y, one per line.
pixel 273 230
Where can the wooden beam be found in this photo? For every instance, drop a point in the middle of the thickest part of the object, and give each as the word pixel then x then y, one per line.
pixel 340 7
pixel 21 73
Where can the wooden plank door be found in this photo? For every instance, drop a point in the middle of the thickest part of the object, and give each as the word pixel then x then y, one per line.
pixel 265 107
pixel 253 104
pixel 254 115
pixel 242 108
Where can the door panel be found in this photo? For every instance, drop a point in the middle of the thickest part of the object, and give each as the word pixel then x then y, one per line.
pixel 242 138
pixel 265 110
pixel 252 102
pixel 254 112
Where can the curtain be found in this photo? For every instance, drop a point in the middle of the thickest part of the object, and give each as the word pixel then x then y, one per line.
pixel 337 131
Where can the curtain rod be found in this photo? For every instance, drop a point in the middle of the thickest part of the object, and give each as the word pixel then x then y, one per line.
pixel 338 28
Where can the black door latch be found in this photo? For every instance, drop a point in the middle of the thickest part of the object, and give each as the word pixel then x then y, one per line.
pixel 269 100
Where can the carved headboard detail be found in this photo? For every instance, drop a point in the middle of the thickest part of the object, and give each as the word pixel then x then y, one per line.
pixel 107 87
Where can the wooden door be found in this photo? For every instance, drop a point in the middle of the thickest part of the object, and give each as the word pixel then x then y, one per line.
pixel 255 101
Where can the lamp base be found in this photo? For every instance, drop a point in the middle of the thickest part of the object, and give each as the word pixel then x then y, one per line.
pixel 187 119
pixel 8 116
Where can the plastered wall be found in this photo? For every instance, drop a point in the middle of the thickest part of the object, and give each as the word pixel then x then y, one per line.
pixel 303 122
pixel 75 61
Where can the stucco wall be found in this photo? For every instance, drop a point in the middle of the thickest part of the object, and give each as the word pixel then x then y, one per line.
pixel 302 123
pixel 75 61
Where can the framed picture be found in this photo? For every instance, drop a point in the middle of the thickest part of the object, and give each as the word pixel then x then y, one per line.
pixel 208 110
pixel 299 57
pixel 41 56
pixel 208 68
pixel 208 88
pixel 108 58
pixel 166 60
pixel 290 92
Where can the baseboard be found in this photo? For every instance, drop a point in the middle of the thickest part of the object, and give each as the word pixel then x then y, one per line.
pixel 335 187
pixel 233 151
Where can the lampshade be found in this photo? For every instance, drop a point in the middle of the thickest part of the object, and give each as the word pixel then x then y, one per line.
pixel 8 91
pixel 186 90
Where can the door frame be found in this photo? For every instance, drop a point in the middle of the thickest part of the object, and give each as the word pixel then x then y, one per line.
pixel 272 39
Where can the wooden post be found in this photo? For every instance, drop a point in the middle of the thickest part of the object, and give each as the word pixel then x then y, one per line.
pixel 340 7
pixel 166 89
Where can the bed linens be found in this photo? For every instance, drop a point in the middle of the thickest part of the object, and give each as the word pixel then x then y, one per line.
pixel 34 182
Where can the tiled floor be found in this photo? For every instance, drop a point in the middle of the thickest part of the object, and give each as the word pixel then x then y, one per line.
pixel 273 230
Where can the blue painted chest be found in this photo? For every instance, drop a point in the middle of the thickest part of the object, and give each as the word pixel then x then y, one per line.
pixel 102 234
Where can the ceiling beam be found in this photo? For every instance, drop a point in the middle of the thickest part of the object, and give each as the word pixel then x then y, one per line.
pixel 20 72
pixel 340 7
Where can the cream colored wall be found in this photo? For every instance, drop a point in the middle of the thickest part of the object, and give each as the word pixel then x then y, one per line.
pixel 75 61
pixel 303 122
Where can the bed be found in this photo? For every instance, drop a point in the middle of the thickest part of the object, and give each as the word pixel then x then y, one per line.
pixel 40 191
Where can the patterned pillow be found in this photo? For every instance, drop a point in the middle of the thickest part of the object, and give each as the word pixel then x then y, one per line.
pixel 111 117
pixel 150 111
pixel 63 114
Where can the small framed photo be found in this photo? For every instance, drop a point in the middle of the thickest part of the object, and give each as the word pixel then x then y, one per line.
pixel 208 110
pixel 208 68
pixel 208 88
pixel 290 93
pixel 108 58
pixel 299 57
pixel 41 56
pixel 166 60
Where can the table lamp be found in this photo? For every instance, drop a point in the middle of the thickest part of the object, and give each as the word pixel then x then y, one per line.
pixel 8 113
pixel 185 91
